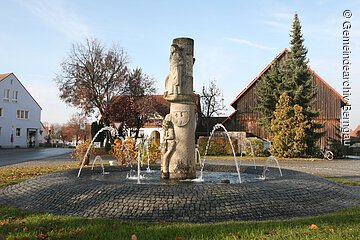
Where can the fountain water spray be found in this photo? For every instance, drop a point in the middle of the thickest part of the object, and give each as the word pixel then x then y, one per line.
pixel 217 126
pixel 266 168
pixel 101 162
pixel 107 128
pixel 139 162
pixel 148 158
pixel 248 143
pixel 197 153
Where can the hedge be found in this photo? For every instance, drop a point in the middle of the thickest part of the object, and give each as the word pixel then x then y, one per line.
pixel 221 146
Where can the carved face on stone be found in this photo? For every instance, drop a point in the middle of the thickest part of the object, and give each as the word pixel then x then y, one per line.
pixel 166 124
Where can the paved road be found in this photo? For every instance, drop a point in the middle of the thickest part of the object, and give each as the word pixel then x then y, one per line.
pixel 15 156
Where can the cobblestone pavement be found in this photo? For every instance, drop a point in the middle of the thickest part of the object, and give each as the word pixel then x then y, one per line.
pixel 346 168
pixel 296 194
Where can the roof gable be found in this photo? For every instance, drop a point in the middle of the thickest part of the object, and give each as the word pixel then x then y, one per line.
pixel 278 57
pixel 6 75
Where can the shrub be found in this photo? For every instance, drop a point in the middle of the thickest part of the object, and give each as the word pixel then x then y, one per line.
pixel 257 145
pixel 154 152
pixel 218 146
pixel 79 153
pixel 124 151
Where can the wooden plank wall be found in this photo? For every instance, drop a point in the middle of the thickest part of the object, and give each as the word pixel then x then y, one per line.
pixel 327 101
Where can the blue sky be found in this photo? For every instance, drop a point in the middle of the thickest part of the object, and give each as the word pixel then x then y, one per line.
pixel 234 40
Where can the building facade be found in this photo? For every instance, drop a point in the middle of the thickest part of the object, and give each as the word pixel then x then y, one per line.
pixel 328 102
pixel 20 114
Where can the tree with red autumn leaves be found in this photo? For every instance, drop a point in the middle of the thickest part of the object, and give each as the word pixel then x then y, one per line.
pixel 136 106
pixel 93 76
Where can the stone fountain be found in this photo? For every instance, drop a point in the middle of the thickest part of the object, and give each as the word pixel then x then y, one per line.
pixel 178 158
pixel 295 194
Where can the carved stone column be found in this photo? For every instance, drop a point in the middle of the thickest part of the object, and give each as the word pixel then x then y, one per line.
pixel 178 153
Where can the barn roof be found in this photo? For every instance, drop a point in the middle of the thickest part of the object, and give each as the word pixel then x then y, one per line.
pixel 278 57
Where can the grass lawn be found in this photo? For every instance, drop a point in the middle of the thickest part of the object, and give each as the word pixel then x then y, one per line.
pixel 14 175
pixel 21 224
pixel 343 180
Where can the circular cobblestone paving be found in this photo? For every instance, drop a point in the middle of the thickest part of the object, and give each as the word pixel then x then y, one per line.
pixel 296 194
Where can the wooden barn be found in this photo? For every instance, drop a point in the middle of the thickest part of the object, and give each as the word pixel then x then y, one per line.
pixel 328 101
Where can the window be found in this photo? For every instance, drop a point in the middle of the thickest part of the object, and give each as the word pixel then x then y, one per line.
pixel 6 94
pixel 1 112
pixel 15 96
pixel 0 131
pixel 22 114
pixel 18 132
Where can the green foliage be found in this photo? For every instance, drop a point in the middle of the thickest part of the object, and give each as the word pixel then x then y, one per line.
pixel 268 90
pixel 95 127
pixel 154 151
pixel 288 129
pixel 293 77
pixel 218 146
pixel 257 145
pixel 336 146
pixel 22 224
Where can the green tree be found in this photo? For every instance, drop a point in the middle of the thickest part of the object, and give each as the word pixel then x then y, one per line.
pixel 288 129
pixel 299 85
pixel 292 76
pixel 268 91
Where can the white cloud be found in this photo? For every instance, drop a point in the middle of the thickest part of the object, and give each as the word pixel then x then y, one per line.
pixel 250 43
pixel 58 16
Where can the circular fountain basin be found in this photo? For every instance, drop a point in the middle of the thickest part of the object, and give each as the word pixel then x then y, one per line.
pixel 295 194
pixel 153 177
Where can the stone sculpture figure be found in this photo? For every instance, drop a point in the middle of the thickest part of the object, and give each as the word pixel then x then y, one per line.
pixel 168 146
pixel 178 158
pixel 174 80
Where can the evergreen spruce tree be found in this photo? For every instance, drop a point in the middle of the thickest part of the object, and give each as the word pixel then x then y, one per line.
pixel 298 83
pixel 293 77
pixel 268 92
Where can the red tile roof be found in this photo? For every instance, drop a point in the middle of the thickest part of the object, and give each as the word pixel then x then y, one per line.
pixel 4 75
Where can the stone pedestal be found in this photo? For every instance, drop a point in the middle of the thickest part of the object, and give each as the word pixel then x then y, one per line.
pixel 178 149
pixel 182 162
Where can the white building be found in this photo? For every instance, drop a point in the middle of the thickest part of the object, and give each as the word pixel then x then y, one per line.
pixel 20 114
